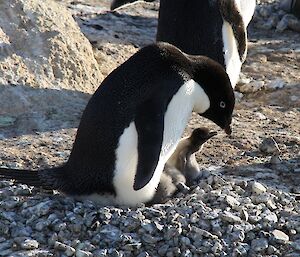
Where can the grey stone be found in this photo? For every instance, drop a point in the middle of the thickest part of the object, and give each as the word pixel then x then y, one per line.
pixel 231 218
pixel 81 253
pixel 259 245
pixel 29 244
pixel 258 188
pixel 231 201
pixel 269 146
pixel 296 245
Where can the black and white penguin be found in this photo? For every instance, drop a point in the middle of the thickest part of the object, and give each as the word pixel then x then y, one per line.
pixel 214 28
pixel 182 167
pixel 133 123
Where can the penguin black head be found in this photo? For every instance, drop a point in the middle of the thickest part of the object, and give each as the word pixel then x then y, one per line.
pixel 212 77
pixel 198 137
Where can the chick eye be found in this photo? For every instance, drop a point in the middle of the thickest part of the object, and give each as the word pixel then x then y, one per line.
pixel 222 104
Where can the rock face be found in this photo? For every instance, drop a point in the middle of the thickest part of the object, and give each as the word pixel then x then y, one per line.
pixel 41 47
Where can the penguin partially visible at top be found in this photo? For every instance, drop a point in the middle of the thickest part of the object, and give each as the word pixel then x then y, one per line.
pixel 182 167
pixel 214 28
pixel 133 123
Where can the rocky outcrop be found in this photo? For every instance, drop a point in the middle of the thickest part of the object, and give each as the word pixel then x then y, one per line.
pixel 41 51
pixel 42 46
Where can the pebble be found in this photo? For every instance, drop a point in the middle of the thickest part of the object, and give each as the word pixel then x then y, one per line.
pixel 231 218
pixel 296 245
pixel 231 201
pixel 276 84
pixel 269 146
pixel 29 244
pixel 273 16
pixel 258 188
pixel 251 87
pixel 81 253
pixel 280 237
pixel 259 244
pixel 68 250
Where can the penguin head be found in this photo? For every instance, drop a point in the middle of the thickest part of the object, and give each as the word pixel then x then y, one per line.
pixel 201 135
pixel 198 137
pixel 215 82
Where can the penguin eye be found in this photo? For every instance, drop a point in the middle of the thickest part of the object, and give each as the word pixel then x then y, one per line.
pixel 222 104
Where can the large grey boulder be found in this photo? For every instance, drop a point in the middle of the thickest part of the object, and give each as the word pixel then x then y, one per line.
pixel 46 63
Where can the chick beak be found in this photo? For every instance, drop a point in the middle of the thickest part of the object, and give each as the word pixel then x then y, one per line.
pixel 227 129
pixel 211 134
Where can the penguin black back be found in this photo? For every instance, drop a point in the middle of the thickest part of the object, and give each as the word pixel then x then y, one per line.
pixel 214 28
pixel 193 26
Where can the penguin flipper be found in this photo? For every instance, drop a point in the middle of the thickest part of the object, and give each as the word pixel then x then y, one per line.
pixel 149 125
pixel 231 14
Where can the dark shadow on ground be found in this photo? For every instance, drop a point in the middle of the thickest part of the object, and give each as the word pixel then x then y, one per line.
pixel 118 28
pixel 26 110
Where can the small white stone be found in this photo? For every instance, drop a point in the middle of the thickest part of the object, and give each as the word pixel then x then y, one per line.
pixel 258 188
pixel 260 116
pixel 294 98
pixel 30 244
pixel 231 201
pixel 280 236
pixel 271 218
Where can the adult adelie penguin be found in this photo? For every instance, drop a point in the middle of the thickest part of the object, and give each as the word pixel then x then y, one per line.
pixel 214 28
pixel 133 123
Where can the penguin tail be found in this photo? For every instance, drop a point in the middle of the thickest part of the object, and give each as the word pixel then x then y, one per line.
pixel 42 178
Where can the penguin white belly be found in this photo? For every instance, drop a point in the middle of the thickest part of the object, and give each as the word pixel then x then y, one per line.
pixel 231 55
pixel 175 120
pixel 246 8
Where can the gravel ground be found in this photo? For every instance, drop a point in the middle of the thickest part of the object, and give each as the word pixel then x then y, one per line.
pixel 247 202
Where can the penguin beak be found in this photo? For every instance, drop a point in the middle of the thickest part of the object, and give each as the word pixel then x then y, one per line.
pixel 211 134
pixel 227 129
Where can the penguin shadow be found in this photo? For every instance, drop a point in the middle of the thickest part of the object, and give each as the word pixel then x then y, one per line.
pixel 26 110
pixel 118 28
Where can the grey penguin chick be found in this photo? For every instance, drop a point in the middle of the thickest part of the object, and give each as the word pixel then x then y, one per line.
pixel 184 157
pixel 182 167
pixel 133 123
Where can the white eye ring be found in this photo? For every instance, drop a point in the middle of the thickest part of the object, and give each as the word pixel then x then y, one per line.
pixel 222 104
